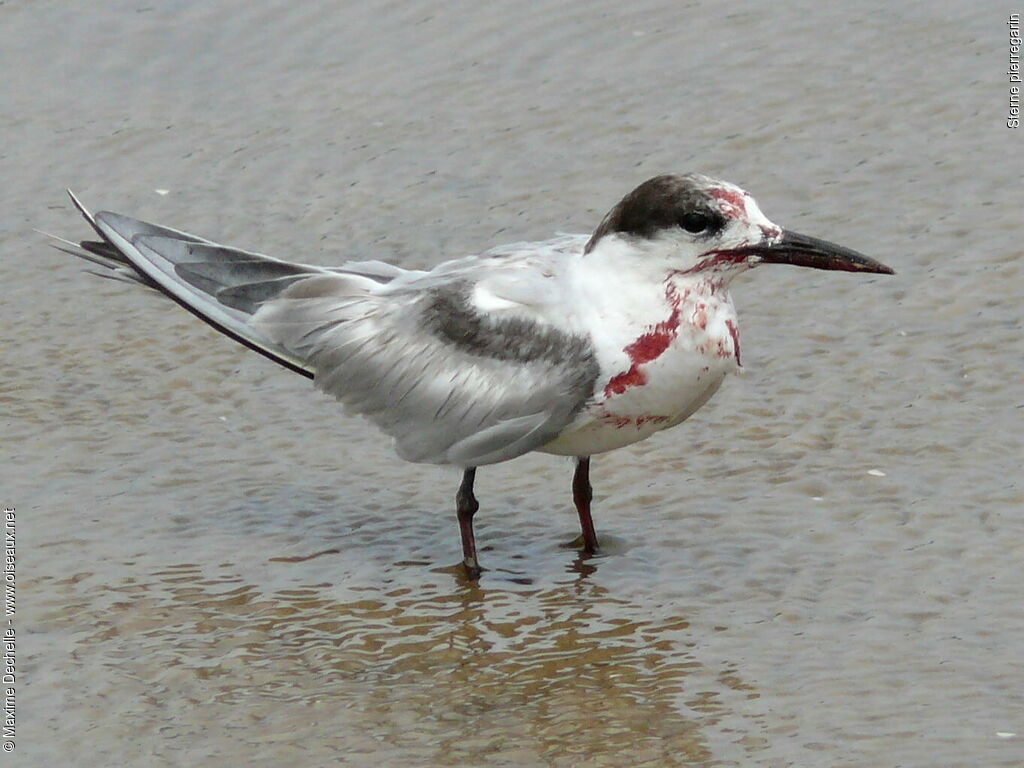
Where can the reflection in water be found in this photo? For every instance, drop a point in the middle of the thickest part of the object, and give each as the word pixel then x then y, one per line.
pixel 562 675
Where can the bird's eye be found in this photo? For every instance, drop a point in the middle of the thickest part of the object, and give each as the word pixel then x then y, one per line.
pixel 695 223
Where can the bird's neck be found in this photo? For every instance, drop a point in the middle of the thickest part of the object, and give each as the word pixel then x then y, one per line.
pixel 705 283
pixel 622 263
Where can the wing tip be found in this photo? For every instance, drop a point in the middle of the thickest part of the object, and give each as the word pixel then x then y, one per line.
pixel 85 212
pixel 78 204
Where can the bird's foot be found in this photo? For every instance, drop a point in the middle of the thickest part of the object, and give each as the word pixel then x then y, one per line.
pixel 581 544
pixel 472 569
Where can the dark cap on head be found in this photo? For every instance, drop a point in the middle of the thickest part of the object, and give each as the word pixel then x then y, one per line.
pixel 661 203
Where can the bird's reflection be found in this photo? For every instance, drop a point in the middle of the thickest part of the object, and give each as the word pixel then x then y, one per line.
pixel 567 668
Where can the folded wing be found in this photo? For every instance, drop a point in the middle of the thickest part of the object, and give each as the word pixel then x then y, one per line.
pixel 453 381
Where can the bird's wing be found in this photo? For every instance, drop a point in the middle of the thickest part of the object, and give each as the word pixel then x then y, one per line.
pixel 460 365
pixel 463 365
pixel 221 285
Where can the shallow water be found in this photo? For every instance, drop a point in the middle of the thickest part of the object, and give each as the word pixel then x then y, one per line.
pixel 217 566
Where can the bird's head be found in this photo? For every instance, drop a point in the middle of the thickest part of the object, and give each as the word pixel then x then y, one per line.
pixel 708 228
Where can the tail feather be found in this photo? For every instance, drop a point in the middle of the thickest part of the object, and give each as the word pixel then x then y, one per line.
pixel 220 285
pixel 103 255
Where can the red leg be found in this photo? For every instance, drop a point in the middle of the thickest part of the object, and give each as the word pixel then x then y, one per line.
pixel 465 507
pixel 582 494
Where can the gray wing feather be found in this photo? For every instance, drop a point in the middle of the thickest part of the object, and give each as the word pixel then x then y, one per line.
pixel 220 284
pixel 380 271
pixel 407 349
pixel 234 279
pixel 156 252
pixel 451 386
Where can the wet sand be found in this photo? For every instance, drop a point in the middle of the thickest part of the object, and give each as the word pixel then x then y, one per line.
pixel 217 566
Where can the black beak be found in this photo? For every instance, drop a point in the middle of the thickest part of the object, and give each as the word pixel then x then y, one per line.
pixel 804 251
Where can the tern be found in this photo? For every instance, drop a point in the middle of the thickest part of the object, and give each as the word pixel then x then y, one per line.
pixel 573 346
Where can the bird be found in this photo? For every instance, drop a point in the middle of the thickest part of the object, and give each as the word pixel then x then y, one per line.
pixel 573 346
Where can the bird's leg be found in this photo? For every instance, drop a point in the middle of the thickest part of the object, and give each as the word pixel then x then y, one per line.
pixel 582 494
pixel 465 507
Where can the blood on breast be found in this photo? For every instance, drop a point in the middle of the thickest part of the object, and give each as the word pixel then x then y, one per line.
pixel 649 346
pixel 734 332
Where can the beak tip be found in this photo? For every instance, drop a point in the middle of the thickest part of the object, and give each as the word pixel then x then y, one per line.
pixel 879 269
pixel 805 251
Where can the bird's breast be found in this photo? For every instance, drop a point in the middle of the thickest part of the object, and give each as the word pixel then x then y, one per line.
pixel 657 370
